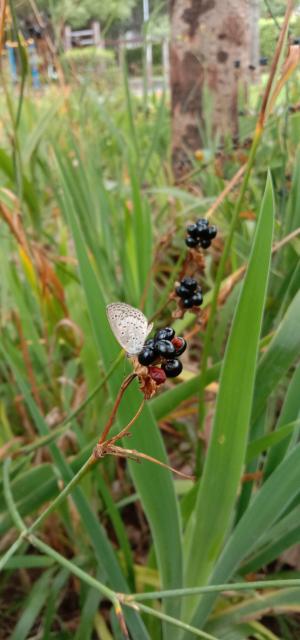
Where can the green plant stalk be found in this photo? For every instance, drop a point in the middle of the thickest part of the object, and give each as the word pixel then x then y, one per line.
pixel 109 593
pixel 11 551
pixel 215 588
pixel 72 567
pixel 9 497
pixel 219 278
pixel 18 522
pixel 174 621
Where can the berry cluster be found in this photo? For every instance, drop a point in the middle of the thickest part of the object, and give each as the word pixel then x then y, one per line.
pixel 164 349
pixel 190 292
pixel 200 233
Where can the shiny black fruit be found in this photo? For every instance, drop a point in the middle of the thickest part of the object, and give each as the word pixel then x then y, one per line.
pixel 205 243
pixel 172 368
pixel 182 291
pixel 164 334
pixel 197 299
pixel 189 283
pixel 187 302
pixel 191 242
pixel 192 230
pixel 165 349
pixel 146 356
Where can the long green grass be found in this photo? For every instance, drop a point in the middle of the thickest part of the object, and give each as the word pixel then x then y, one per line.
pixel 89 215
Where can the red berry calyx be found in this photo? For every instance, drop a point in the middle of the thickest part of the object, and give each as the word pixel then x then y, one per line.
pixel 157 374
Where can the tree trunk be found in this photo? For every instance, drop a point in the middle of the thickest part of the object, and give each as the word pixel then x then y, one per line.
pixel 210 46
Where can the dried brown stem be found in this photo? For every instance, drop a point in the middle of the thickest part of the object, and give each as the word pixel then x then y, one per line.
pixel 231 184
pixel 264 107
pixel 121 619
pixel 27 362
pixel 124 431
pixel 137 456
pixel 237 275
pixel 119 397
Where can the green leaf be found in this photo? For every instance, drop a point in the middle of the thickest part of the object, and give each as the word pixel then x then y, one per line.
pixel 254 608
pixel 40 129
pixel 150 480
pixel 256 447
pixel 278 358
pixel 224 463
pixel 290 411
pixel 33 605
pixel 266 507
pixel 167 402
pixel 283 535
pixel 103 550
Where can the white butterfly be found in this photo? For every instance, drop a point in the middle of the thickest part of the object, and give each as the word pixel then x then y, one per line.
pixel 129 326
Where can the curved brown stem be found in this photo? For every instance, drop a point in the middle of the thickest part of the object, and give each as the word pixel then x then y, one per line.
pixel 118 399
pixel 126 429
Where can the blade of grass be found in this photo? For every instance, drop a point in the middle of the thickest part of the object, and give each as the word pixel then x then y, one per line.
pixel 277 359
pixel 33 605
pixel 268 504
pixel 101 545
pixel 163 514
pixel 217 494
pixel 271 440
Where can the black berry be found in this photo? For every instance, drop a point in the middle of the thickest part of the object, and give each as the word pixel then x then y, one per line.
pixel 202 223
pixel 197 299
pixel 164 334
pixel 180 345
pixel 192 230
pixel 187 302
pixel 189 283
pixel 212 232
pixel 150 343
pixel 165 348
pixel 172 368
pixel 205 243
pixel 191 242
pixel 146 356
pixel 182 291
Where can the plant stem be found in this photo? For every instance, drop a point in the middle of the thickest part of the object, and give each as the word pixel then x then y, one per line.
pixel 118 399
pixel 124 431
pixel 213 588
pixel 177 623
pixel 72 567
pixel 63 494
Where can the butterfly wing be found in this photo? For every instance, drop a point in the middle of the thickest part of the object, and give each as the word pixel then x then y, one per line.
pixel 129 326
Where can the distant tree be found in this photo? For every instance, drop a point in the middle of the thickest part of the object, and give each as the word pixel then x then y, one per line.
pixel 78 13
pixel 271 8
pixel 210 48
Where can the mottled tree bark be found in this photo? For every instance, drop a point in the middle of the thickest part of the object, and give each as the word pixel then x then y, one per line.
pixel 208 37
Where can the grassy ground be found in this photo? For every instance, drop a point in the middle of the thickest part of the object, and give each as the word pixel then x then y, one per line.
pixel 90 215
